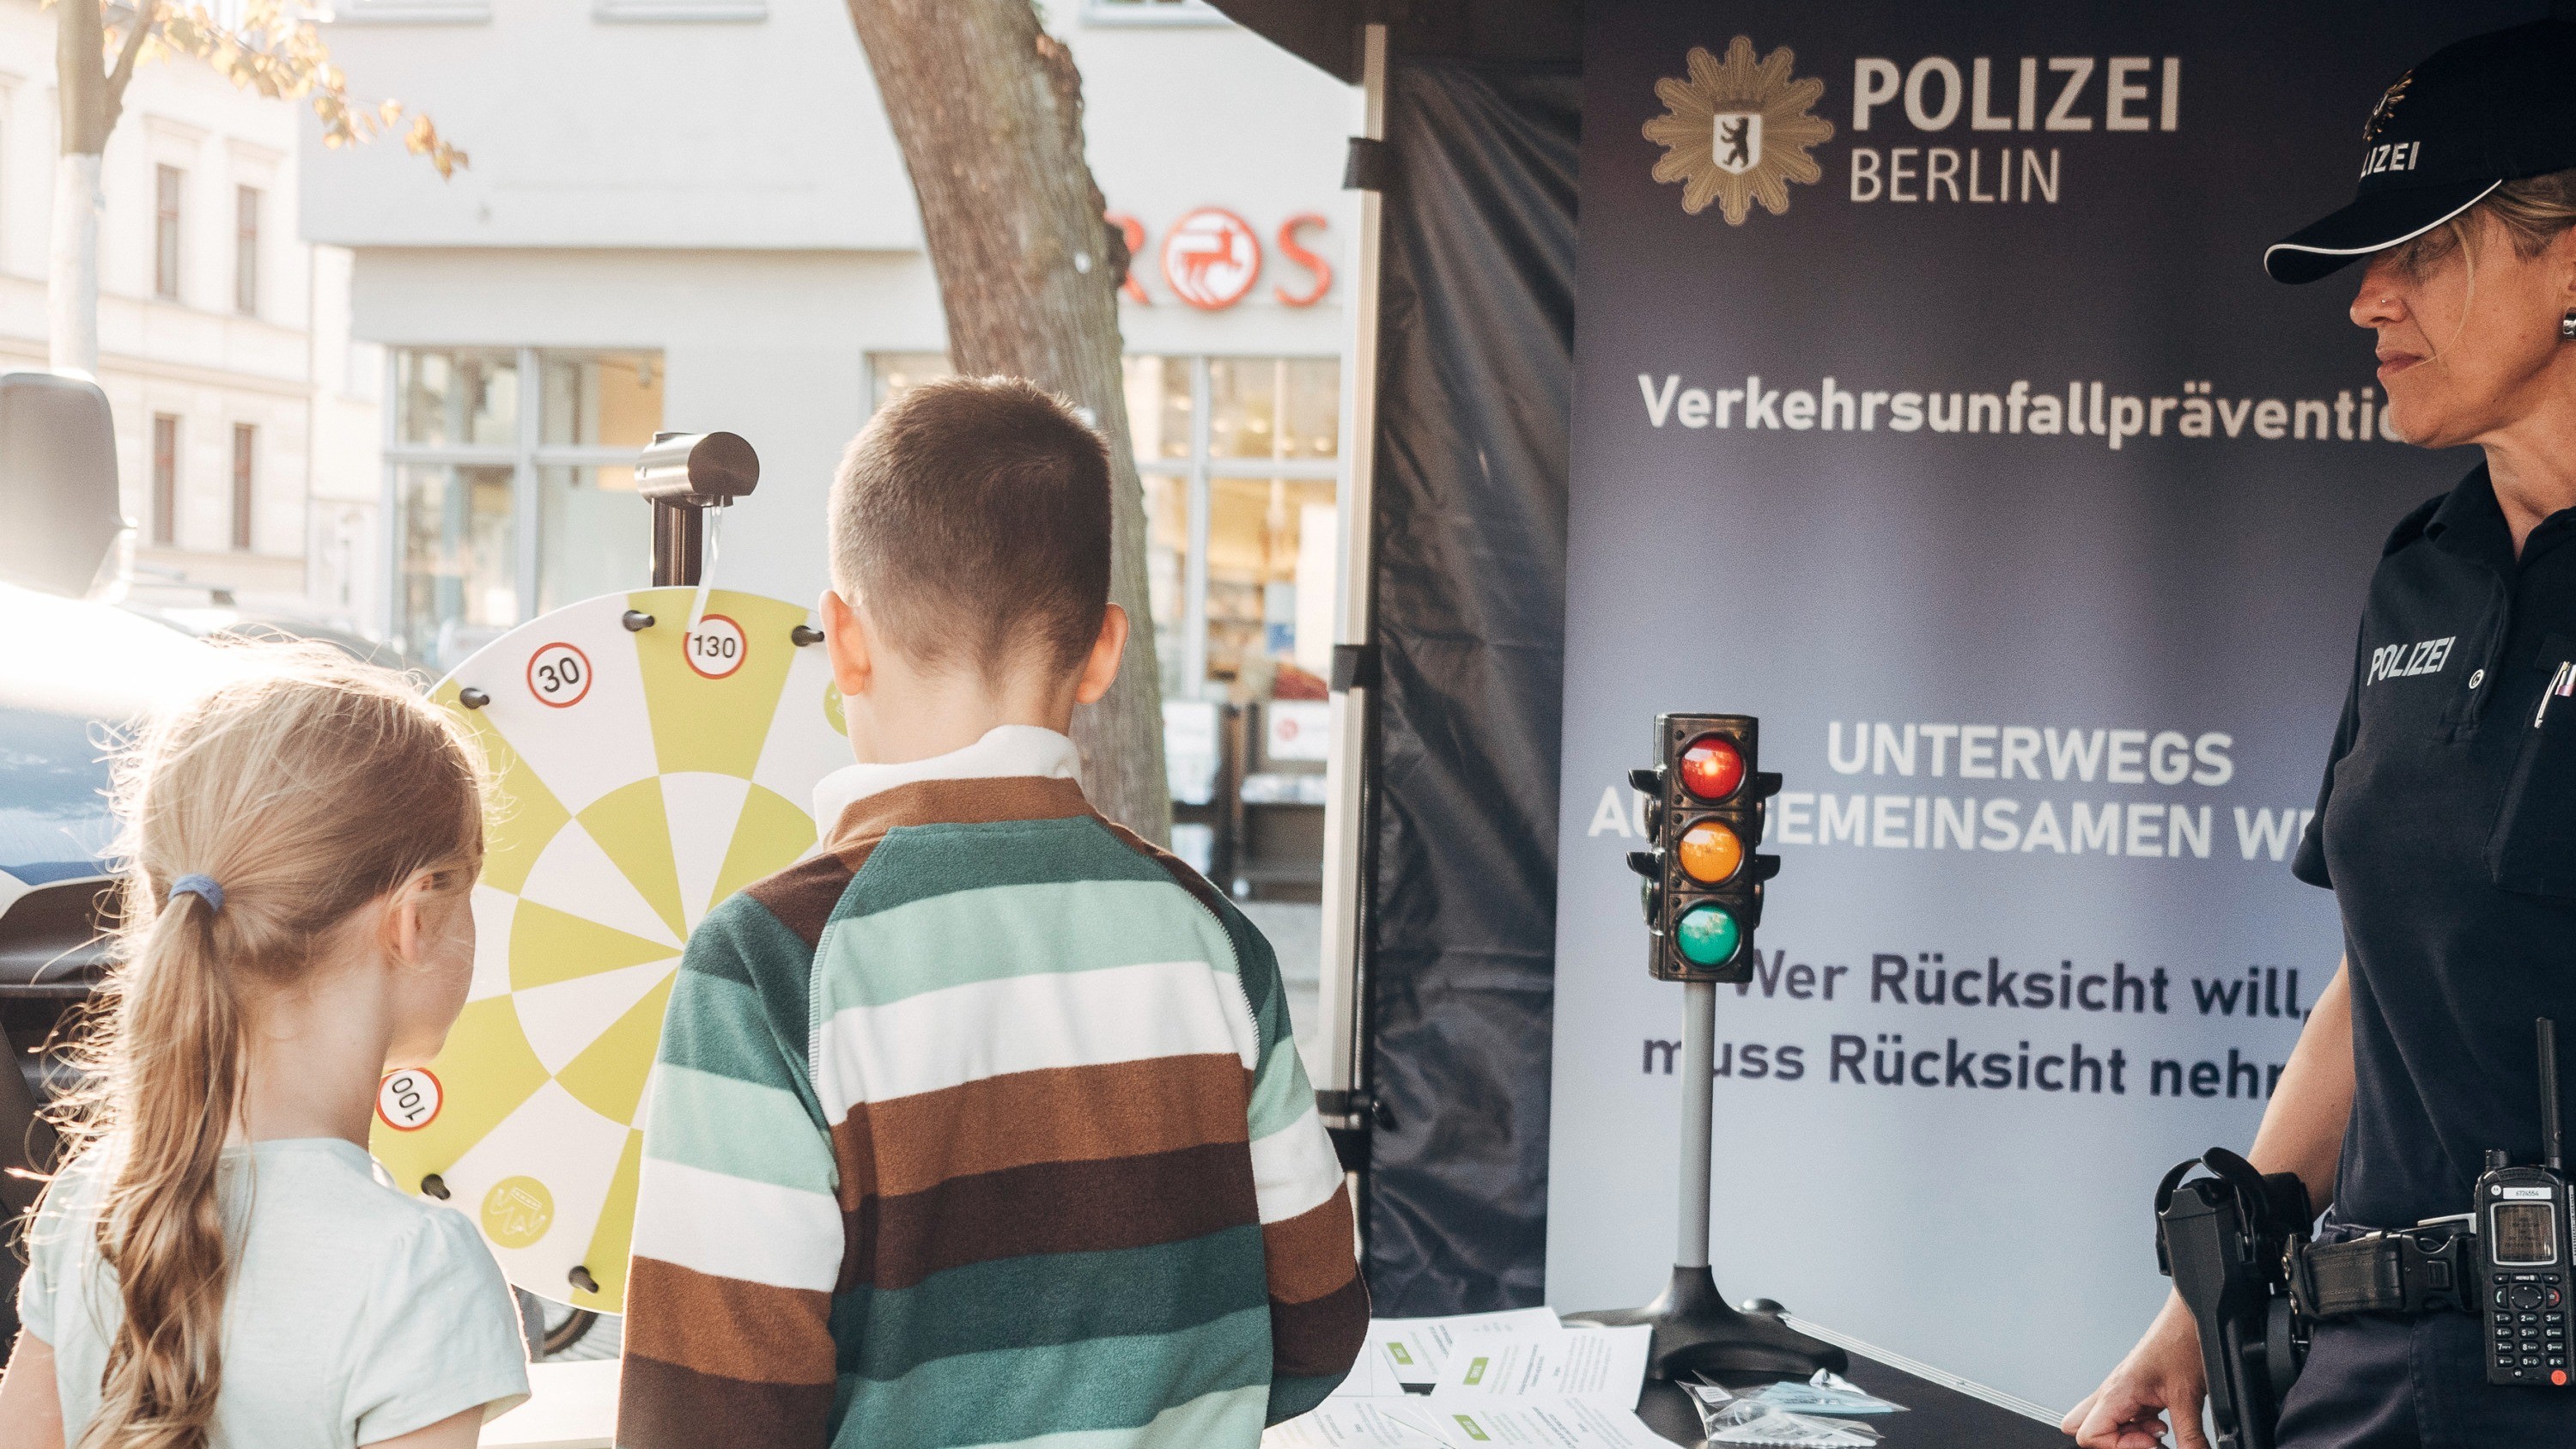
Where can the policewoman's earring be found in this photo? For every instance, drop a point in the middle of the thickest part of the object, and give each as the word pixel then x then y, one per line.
pixel 2567 326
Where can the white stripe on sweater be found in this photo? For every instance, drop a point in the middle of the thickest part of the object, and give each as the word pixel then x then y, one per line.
pixel 946 1038
pixel 733 1227
pixel 1294 1169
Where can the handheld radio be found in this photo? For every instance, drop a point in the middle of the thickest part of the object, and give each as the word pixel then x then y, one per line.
pixel 2522 1222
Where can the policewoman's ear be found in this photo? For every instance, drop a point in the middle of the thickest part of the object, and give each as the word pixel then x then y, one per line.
pixel 846 644
pixel 2561 255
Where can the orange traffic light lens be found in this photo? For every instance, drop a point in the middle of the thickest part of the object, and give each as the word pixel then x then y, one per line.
pixel 1710 852
pixel 1712 767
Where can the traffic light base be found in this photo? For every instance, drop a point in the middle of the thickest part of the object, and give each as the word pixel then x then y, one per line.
pixel 1697 1331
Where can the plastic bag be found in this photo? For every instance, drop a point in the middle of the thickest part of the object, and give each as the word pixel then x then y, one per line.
pixel 1827 1393
pixel 1730 1420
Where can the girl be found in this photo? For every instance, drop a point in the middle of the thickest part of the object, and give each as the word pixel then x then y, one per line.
pixel 219 1268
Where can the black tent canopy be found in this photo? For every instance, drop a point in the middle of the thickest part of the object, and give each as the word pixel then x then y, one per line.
pixel 1440 870
pixel 1326 33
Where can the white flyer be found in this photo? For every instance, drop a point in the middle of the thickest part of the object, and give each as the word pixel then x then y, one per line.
pixel 1607 1365
pixel 1358 1424
pixel 1544 1423
pixel 1372 1376
pixel 1415 1349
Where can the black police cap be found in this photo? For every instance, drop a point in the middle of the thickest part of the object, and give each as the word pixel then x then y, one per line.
pixel 2490 109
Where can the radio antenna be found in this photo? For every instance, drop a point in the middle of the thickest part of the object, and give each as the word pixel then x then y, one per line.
pixel 2553 1147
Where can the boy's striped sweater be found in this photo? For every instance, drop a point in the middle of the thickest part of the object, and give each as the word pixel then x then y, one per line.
pixel 982 1126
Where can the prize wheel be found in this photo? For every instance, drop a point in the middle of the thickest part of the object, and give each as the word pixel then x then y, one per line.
pixel 643 777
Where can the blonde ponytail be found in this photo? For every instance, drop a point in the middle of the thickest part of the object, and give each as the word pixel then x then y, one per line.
pixel 303 789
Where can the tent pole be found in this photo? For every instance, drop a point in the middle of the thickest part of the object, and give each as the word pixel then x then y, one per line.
pixel 1342 1094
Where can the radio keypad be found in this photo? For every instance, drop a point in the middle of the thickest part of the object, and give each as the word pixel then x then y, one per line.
pixel 2529 1315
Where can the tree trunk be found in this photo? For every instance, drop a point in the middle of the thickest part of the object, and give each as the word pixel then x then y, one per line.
pixel 988 110
pixel 92 99
pixel 71 271
pixel 71 275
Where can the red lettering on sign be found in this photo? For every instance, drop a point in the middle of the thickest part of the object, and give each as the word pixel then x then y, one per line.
pixel 1322 269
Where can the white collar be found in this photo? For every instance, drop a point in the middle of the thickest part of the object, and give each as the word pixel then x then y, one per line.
pixel 1005 750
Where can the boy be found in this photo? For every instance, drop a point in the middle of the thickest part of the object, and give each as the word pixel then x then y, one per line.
pixel 982 1125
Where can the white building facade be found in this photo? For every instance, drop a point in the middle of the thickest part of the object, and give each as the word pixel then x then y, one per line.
pixel 245 418
pixel 692 215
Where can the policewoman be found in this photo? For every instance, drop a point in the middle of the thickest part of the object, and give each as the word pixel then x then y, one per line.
pixel 2447 823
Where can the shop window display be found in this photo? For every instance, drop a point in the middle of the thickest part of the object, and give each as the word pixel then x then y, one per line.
pixel 496 520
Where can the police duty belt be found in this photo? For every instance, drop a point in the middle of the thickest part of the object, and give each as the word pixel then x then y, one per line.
pixel 2408 1270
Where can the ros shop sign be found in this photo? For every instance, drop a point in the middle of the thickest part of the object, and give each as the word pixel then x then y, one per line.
pixel 1211 258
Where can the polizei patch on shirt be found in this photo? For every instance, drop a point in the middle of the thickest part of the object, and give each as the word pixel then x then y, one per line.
pixel 2398 661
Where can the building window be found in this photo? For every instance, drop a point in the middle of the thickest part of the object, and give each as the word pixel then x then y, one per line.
pixel 166 182
pixel 246 250
pixel 512 474
pixel 165 480
pixel 245 472
pixel 1152 12
pixel 411 12
pixel 679 11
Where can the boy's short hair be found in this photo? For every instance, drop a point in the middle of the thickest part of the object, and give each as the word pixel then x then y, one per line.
pixel 972 514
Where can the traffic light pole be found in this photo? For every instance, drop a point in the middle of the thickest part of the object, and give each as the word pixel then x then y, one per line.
pixel 1699 1119
pixel 1696 1330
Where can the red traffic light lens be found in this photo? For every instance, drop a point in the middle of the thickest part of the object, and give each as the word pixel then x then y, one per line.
pixel 1712 767
pixel 1710 852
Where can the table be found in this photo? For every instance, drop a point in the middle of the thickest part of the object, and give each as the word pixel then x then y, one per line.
pixel 575 1406
pixel 1944 1411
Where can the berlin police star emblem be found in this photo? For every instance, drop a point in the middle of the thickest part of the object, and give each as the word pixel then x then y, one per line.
pixel 1737 131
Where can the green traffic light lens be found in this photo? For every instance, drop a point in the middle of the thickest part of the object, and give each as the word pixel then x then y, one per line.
pixel 1708 935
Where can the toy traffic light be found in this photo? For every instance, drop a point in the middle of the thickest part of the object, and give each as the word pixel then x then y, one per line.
pixel 1704 809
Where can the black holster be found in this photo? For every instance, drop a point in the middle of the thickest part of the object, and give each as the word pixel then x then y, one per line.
pixel 2229 1242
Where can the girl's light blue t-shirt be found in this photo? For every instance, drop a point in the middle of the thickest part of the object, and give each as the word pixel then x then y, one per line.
pixel 354 1314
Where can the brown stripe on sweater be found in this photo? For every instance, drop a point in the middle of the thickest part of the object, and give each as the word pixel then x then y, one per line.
pixel 802 896
pixel 1310 1255
pixel 1053 1207
pixel 1059 1114
pixel 666 1406
pixel 727 1328
pixel 1321 1338
pixel 956 802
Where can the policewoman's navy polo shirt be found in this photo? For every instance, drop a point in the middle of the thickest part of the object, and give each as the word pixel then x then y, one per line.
pixel 2447 830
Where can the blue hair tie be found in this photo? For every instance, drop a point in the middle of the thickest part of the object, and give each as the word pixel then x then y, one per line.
pixel 201 886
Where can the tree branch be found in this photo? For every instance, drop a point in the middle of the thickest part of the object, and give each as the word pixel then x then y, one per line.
pixel 147 14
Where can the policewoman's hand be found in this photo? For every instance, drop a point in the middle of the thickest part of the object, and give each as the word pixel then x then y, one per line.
pixel 2163 1373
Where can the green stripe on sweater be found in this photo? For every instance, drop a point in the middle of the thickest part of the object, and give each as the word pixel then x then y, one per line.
pixel 1012 1394
pixel 968 936
pixel 739 1128
pixel 1050 1299
pixel 1280 1095
pixel 914 862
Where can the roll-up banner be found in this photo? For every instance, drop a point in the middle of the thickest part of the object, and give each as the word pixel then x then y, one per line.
pixel 1931 404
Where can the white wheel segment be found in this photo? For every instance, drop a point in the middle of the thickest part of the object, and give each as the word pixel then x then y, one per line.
pixel 636 791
